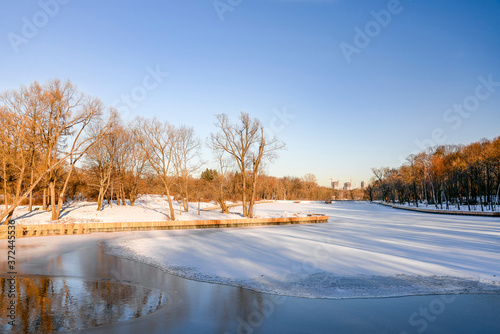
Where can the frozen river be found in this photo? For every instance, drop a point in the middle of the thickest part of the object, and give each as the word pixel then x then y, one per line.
pixel 189 306
pixel 366 250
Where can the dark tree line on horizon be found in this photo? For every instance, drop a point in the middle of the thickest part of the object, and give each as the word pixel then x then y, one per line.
pixel 464 176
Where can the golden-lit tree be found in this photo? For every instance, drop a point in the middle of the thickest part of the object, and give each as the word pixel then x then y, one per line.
pixel 157 141
pixel 445 175
pixel 44 135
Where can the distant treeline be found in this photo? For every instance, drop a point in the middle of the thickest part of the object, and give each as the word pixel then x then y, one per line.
pixel 467 177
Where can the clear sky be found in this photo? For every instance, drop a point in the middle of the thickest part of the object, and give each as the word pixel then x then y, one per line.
pixel 347 84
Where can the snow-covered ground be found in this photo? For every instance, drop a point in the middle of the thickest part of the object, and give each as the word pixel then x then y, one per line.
pixel 146 208
pixel 366 250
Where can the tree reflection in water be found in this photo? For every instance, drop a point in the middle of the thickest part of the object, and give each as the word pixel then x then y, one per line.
pixel 51 304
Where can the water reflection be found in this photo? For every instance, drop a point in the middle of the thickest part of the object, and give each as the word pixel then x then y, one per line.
pixel 194 307
pixel 52 304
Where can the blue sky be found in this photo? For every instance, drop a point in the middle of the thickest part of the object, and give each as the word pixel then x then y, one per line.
pixel 269 58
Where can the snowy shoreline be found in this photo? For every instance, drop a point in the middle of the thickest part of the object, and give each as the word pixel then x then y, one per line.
pixel 364 252
pixel 486 213
pixel 146 208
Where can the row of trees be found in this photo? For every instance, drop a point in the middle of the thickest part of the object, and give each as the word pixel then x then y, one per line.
pixel 44 133
pixel 58 143
pixel 228 186
pixel 444 175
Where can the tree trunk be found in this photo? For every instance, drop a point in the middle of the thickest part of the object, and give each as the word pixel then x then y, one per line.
pixel 488 188
pixel 222 204
pixel 103 190
pixel 53 209
pixel 434 195
pixel 5 201
pixel 186 200
pixel 415 193
pixel 8 218
pixel 30 205
pixel 122 191
pixel 468 193
pixel 479 191
pixel 100 199
pixel 172 213
pixel 221 199
pixel 44 200
pixel 132 198
pixel 119 197
pixel 110 201
pixel 252 198
pixel 498 192
pixel 60 200
pixel 244 183
pixel 185 204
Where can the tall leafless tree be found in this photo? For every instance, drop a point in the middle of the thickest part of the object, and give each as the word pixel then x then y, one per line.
pixel 186 159
pixel 157 141
pixel 247 145
pixel 51 119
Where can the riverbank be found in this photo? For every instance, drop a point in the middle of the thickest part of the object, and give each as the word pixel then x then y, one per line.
pixel 33 230
pixel 147 208
pixel 439 211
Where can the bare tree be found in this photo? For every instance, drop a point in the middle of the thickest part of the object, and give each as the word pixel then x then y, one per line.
pixel 15 147
pixel 236 140
pixel 50 119
pixel 122 146
pixel 186 159
pixel 247 146
pixel 64 124
pixel 83 140
pixel 221 180
pixel 267 150
pixel 17 121
pixel 5 148
pixel 4 154
pixel 136 163
pixel 157 141
pixel 100 158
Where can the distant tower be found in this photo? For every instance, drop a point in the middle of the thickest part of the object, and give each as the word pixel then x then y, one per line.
pixel 347 186
pixel 335 185
pixel 362 184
